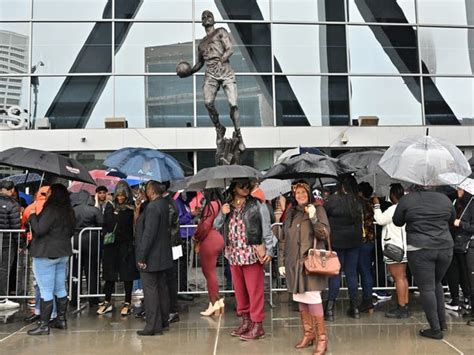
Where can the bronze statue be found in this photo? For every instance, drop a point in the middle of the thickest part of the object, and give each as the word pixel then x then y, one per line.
pixel 214 50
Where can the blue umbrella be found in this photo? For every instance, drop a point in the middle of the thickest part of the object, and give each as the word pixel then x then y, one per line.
pixel 21 179
pixel 143 163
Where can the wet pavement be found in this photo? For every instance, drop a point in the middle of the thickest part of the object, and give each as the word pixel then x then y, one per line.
pixel 193 334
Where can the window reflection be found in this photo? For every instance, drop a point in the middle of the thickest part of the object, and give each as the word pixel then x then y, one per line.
pixel 254 102
pixel 153 48
pixel 447 50
pixel 168 100
pixel 314 101
pixel 383 49
pixel 72 9
pixel 13 92
pixel 308 10
pixel 74 102
pixel 309 49
pixel 402 11
pixel 14 48
pixel 454 103
pixel 394 100
pixel 68 47
pixel 154 9
pixel 15 9
pixel 448 12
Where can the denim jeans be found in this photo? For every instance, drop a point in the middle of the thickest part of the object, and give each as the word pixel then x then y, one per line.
pixel 51 276
pixel 349 259
pixel 428 267
pixel 365 269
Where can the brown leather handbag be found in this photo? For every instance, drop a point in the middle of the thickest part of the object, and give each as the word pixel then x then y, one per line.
pixel 322 262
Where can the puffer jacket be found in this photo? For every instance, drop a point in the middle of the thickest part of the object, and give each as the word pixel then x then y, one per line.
pixel 9 213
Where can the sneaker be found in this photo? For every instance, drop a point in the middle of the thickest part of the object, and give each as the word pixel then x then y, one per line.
pixel 138 293
pixel 7 304
pixel 382 295
pixel 453 305
pixel 467 304
pixel 126 309
pixel 105 307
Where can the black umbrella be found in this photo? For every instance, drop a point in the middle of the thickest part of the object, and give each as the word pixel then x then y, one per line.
pixel 219 176
pixel 48 162
pixel 307 166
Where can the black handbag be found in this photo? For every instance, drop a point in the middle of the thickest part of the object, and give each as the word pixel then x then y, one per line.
pixel 462 243
pixel 394 252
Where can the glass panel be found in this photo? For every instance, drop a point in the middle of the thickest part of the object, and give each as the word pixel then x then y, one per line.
pixel 383 49
pixel 91 160
pixel 447 50
pixel 154 9
pixel 311 101
pixel 308 10
pixel 234 9
pixel 402 11
pixel 15 9
pixel 449 100
pixel 185 159
pixel 13 92
pixel 74 102
pixel 168 100
pixel 254 102
pixel 251 44
pixel 309 49
pixel 153 48
pixel 73 47
pixel 451 12
pixel 394 100
pixel 72 9
pixel 14 48
pixel 261 159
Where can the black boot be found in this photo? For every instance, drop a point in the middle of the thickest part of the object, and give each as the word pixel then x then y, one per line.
pixel 46 308
pixel 329 311
pixel 60 322
pixel 32 318
pixel 353 310
pixel 367 306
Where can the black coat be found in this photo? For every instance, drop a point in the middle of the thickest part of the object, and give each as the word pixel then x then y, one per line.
pixel 153 237
pixel 118 261
pixel 9 213
pixel 52 232
pixel 345 232
pixel 428 216
pixel 86 214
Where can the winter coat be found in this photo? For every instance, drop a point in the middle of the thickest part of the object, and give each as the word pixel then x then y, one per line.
pixel 298 236
pixel 118 262
pixel 428 216
pixel 52 233
pixel 9 213
pixel 390 232
pixel 153 242
pixel 345 232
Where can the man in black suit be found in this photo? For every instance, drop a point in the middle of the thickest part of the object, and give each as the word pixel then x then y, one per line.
pixel 154 257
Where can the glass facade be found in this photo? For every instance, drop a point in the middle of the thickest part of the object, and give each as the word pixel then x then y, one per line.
pixel 297 62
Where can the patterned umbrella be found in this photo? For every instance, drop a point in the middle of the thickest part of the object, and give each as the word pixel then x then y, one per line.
pixel 100 178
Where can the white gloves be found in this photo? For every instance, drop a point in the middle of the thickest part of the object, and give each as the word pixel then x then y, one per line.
pixel 282 271
pixel 311 211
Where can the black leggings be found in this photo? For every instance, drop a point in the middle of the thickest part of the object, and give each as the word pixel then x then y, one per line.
pixel 457 275
pixel 428 267
pixel 109 288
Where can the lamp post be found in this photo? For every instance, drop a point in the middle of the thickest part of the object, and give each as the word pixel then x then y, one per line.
pixel 35 85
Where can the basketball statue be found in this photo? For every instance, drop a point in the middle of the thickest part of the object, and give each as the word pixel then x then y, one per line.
pixel 214 50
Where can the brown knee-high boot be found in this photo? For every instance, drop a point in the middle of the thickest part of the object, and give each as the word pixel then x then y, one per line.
pixel 308 330
pixel 322 343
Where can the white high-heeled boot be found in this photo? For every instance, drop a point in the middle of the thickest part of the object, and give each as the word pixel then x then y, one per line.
pixel 213 309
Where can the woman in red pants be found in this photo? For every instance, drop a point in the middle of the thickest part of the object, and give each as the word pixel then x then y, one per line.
pixel 209 244
pixel 246 228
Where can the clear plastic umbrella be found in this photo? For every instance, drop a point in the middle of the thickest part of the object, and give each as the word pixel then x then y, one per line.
pixel 421 160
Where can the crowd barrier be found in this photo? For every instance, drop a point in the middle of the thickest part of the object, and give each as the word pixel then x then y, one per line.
pixel 84 280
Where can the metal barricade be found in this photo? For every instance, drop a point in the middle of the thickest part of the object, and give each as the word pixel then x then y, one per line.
pixel 16 272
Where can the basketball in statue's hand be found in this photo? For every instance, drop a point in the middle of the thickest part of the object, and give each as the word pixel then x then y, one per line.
pixel 183 69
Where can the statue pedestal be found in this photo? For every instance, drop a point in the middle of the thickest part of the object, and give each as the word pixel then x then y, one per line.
pixel 228 152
